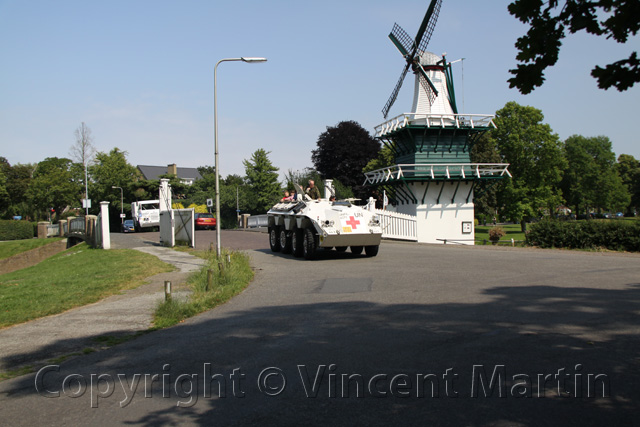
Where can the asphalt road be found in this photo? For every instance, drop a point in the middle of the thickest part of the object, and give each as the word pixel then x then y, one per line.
pixel 419 335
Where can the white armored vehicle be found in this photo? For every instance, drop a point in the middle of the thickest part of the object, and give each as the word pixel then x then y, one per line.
pixel 301 227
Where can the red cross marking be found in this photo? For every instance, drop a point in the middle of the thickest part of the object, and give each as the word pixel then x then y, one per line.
pixel 352 222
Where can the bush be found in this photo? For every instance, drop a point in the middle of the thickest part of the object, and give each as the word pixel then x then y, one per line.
pixel 496 233
pixel 592 234
pixel 17 230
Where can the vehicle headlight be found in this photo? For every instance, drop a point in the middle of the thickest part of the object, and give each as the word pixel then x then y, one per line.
pixel 328 223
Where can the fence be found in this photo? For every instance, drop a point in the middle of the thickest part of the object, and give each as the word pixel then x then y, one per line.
pixel 397 225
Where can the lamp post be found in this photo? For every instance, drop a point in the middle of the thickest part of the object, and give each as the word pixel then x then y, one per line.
pixel 215 138
pixel 121 204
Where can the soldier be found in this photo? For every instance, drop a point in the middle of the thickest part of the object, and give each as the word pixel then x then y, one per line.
pixel 312 191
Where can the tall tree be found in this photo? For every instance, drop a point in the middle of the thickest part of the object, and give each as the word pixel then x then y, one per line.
pixel 536 162
pixel 591 180
pixel 629 171
pixel 54 186
pixel 343 151
pixel 262 178
pixel 548 22
pixel 83 152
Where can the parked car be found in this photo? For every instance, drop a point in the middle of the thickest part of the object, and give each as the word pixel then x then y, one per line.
pixel 128 226
pixel 205 221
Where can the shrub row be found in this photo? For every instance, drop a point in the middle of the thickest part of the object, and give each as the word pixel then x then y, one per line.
pixel 16 230
pixel 592 234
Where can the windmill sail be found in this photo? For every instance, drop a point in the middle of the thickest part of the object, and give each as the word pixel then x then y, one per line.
pixel 412 50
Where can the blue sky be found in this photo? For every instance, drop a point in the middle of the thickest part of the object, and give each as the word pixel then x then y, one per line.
pixel 140 75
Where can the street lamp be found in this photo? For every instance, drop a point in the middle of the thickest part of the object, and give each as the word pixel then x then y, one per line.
pixel 121 204
pixel 215 137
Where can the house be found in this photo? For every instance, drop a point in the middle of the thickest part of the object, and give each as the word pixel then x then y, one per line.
pixel 186 175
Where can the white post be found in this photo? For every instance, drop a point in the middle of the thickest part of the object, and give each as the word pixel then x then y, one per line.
pixel 165 195
pixel 371 204
pixel 104 213
pixel 328 188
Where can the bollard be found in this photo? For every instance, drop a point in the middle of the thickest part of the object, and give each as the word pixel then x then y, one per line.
pixel 513 243
pixel 167 290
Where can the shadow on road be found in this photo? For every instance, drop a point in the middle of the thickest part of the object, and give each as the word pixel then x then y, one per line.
pixel 538 337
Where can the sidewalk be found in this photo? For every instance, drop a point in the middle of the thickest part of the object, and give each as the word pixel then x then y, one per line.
pixel 40 340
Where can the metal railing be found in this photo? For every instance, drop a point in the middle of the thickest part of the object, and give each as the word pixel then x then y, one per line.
pixel 437 171
pixel 471 121
pixel 257 221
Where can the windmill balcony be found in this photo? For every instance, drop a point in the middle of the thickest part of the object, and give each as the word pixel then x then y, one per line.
pixel 459 121
pixel 437 171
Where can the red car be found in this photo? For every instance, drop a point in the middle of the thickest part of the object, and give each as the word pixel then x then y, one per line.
pixel 205 221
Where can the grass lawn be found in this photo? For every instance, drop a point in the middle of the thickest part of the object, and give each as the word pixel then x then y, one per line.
pixel 78 276
pixel 14 247
pixel 513 232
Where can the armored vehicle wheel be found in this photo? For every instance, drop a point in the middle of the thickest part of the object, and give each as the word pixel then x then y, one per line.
pixel 285 241
pixel 274 240
pixel 341 248
pixel 356 250
pixel 309 244
pixel 296 242
pixel 371 250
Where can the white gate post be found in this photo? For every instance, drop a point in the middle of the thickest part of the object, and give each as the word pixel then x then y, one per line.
pixel 104 214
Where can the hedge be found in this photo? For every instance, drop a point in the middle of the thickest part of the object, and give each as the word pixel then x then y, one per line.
pixel 591 234
pixel 16 230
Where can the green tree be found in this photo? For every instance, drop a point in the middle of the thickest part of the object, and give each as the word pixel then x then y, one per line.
pixel 113 170
pixel 262 178
pixel 236 194
pixel 18 181
pixel 5 200
pixel 591 180
pixel 54 185
pixel 384 159
pixel 485 202
pixel 204 188
pixel 629 171
pixel 536 162
pixel 548 22
pixel 343 151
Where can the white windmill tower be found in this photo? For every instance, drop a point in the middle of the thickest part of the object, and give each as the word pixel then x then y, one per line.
pixel 433 178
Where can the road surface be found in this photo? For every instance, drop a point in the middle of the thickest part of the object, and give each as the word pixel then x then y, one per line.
pixel 419 335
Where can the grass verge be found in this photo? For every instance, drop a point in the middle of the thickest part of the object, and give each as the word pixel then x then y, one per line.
pixel 14 247
pixel 513 232
pixel 228 279
pixel 75 277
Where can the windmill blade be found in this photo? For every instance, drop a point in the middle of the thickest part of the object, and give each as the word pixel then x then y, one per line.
pixel 402 41
pixel 428 25
pixel 394 94
pixel 426 84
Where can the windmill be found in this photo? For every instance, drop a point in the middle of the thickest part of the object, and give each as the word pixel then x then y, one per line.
pixel 431 181
pixel 433 79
